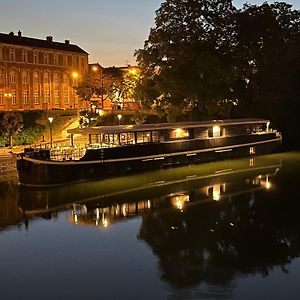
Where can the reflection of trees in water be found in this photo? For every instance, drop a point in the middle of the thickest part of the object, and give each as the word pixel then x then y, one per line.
pixel 212 243
pixel 9 210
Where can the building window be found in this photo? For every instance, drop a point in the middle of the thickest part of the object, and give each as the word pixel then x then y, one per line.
pixel 1 98
pixel 56 97
pixel 12 77
pixel 66 97
pixel 13 98
pixel 56 79
pixel 46 77
pixel 46 58
pixel 35 77
pixel 65 60
pixel 74 61
pixel 35 57
pixel 65 79
pixel 55 59
pixel 12 54
pixel 24 56
pixel 1 77
pixel 47 97
pixel 83 64
pixel 36 97
pixel 25 77
pixel 25 97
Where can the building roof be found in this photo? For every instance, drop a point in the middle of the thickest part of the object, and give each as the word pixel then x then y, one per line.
pixel 162 126
pixel 48 43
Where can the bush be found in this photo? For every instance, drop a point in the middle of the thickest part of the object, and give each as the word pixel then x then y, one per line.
pixel 4 141
pixel 29 135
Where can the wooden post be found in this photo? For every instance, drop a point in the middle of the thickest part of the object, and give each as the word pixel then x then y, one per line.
pixel 72 140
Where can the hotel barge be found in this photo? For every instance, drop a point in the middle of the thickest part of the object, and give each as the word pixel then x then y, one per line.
pixel 106 151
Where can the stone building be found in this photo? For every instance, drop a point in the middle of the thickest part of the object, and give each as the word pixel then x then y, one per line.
pixel 39 74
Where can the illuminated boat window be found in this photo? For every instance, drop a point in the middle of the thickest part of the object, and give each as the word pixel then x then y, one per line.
pixel 179 133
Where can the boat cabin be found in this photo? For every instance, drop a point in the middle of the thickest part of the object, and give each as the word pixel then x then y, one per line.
pixel 122 135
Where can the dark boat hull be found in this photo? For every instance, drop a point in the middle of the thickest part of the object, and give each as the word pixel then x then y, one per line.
pixel 38 172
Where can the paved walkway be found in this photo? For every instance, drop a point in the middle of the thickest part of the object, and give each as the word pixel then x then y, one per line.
pixel 6 153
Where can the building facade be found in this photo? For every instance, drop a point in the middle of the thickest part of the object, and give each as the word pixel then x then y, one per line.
pixel 39 74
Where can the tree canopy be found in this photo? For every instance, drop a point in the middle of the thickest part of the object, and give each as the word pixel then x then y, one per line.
pixel 207 59
pixel 11 122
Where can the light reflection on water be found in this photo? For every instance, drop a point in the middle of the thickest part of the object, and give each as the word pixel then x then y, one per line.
pixel 207 231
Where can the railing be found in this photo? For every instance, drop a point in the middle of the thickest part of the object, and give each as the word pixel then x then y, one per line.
pixel 67 153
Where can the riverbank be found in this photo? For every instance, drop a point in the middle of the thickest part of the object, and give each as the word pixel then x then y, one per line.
pixel 8 166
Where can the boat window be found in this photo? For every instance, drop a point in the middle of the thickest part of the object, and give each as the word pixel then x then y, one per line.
pixel 144 137
pixel 179 133
pixel 155 137
pixel 127 138
pixel 111 139
pixel 215 132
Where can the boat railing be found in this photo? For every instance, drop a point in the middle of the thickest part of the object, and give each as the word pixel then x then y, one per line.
pixel 67 153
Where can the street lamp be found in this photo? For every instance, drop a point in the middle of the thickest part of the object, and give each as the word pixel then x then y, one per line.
pixel 119 118
pixel 50 119
pixel 75 76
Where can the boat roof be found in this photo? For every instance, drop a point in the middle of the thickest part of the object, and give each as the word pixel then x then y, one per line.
pixel 163 126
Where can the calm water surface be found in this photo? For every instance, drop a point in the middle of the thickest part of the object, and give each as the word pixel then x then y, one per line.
pixel 227 230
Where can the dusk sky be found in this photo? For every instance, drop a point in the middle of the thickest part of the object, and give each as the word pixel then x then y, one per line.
pixel 109 30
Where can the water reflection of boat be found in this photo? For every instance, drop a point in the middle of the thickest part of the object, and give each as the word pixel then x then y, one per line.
pixel 112 200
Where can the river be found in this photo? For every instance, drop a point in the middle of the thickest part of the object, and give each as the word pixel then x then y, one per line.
pixel 222 230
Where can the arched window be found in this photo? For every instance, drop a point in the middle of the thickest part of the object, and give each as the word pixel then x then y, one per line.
pixel 24 56
pixel 35 77
pixel 46 77
pixel 12 77
pixel 35 57
pixel 25 77
pixel 46 87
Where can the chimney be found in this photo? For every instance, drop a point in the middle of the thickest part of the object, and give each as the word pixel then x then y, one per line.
pixel 67 42
pixel 19 33
pixel 49 39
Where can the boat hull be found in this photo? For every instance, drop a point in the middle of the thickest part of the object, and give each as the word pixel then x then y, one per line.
pixel 39 172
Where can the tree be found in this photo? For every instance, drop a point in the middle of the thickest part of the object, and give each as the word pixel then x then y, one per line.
pixel 268 54
pixel 187 63
pixel 124 88
pixel 85 89
pixel 12 122
pixel 205 59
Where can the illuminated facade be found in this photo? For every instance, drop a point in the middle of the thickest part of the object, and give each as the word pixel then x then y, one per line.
pixel 39 74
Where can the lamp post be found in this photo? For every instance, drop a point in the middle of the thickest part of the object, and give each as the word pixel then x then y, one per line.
pixel 75 76
pixel 119 118
pixel 50 119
